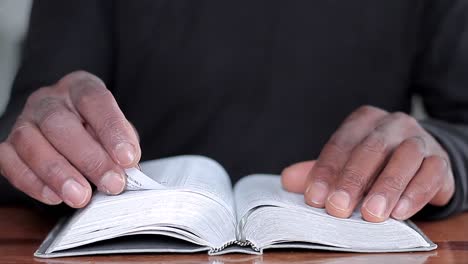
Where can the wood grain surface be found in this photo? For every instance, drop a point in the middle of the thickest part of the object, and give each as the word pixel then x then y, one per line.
pixel 23 229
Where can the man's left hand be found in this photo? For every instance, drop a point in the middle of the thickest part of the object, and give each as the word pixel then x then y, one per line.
pixel 387 160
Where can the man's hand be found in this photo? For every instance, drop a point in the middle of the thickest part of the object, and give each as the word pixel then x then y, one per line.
pixel 67 134
pixel 387 160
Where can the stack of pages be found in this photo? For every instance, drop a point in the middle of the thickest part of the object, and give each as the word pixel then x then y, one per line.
pixel 186 204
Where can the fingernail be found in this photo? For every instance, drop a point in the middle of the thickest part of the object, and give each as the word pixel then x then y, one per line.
pixel 340 200
pixel 402 208
pixel 50 196
pixel 377 205
pixel 74 194
pixel 317 192
pixel 125 153
pixel 112 182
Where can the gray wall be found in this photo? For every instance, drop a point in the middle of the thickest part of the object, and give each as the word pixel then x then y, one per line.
pixel 13 22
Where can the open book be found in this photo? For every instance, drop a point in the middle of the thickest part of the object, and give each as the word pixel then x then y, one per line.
pixel 186 204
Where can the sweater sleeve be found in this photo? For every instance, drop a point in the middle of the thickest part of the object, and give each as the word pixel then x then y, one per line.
pixel 63 36
pixel 441 78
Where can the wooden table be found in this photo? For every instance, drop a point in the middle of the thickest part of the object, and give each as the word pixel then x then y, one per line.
pixel 22 230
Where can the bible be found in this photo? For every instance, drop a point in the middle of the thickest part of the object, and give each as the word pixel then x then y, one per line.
pixel 186 204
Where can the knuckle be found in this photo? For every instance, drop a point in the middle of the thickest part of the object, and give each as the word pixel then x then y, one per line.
pixel 339 143
pixel 412 200
pixel 375 143
pixel 20 133
pixel 54 171
pixel 417 142
pixel 54 128
pixel 85 88
pixel 424 188
pixel 89 94
pixel 36 96
pixel 406 119
pixel 49 110
pixel 77 76
pixel 324 171
pixel 91 164
pixel 15 179
pixel 437 163
pixel 421 192
pixel 24 178
pixel 394 183
pixel 353 179
pixel 367 109
pixel 111 127
pixel 400 115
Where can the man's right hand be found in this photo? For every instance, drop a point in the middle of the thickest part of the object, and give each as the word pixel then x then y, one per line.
pixel 67 134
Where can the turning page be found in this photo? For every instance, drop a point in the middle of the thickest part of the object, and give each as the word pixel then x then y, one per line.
pixel 189 198
pixel 190 172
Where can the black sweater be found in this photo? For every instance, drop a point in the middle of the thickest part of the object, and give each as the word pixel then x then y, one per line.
pixel 258 85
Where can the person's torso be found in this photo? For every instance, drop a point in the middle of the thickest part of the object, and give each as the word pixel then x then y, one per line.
pixel 258 85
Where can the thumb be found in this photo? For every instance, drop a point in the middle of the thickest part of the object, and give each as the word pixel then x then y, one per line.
pixel 294 177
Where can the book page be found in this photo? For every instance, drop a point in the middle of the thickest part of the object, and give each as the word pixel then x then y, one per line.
pixel 268 214
pixel 258 190
pixel 192 201
pixel 139 181
pixel 188 172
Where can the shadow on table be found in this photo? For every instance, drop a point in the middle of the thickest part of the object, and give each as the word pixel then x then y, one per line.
pixel 271 257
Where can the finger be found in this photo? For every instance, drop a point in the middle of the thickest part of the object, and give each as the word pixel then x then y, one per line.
pixel 446 192
pixel 51 167
pixel 336 152
pixel 135 131
pixel 390 184
pixel 447 188
pixel 58 125
pixel 366 161
pixel 91 132
pixel 21 177
pixel 422 188
pixel 98 107
pixel 294 177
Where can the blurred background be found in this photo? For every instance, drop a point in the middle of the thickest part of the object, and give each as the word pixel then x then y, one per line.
pixel 14 16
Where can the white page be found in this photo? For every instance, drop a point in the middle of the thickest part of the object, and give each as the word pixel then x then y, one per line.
pixel 137 181
pixel 187 192
pixel 107 217
pixel 191 172
pixel 262 189
pixel 257 190
pixel 269 213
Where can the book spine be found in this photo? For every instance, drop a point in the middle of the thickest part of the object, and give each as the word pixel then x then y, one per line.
pixel 246 243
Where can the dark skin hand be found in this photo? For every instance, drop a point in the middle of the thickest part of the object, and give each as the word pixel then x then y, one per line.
pixel 70 133
pixel 386 160
pixel 73 132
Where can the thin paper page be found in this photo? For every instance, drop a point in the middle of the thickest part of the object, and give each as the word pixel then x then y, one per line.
pixel 268 213
pixel 260 189
pixel 137 180
pixel 190 172
pixel 182 213
pixel 257 190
